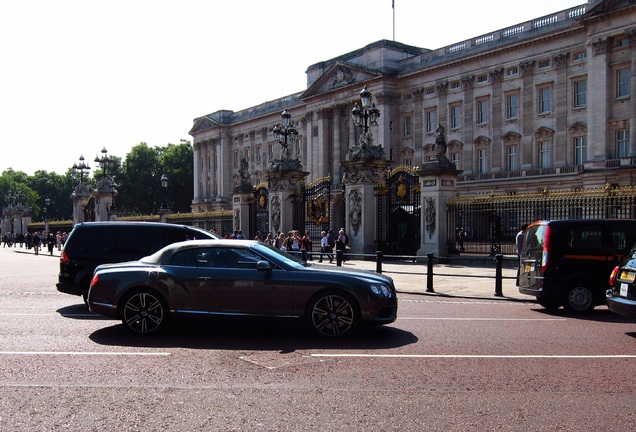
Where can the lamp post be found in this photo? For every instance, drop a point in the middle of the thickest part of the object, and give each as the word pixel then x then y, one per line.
pixel 285 134
pixel 47 203
pixel 164 189
pixel 81 167
pixel 366 116
pixel 104 162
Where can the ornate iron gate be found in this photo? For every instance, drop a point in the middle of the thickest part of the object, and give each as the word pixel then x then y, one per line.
pixel 399 212
pixel 259 220
pixel 316 209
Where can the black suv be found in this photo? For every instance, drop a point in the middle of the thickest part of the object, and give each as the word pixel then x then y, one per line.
pixel 568 262
pixel 93 243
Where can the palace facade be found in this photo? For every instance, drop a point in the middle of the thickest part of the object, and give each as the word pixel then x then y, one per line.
pixel 548 103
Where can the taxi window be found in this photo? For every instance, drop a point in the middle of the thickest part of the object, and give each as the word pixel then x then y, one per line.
pixel 585 237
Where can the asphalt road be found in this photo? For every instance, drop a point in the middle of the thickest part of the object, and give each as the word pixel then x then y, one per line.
pixel 447 364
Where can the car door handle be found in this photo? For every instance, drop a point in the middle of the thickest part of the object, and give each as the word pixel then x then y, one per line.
pixel 204 278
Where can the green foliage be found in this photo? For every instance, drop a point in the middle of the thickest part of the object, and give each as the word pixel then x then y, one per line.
pixel 137 179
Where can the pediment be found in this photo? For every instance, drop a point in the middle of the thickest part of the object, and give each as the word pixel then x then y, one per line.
pixel 607 6
pixel 339 75
pixel 482 141
pixel 203 123
pixel 544 132
pixel 578 127
pixel 511 137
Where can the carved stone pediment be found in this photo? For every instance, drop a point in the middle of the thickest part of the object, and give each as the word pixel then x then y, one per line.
pixel 339 75
pixel 511 138
pixel 578 128
pixel 543 133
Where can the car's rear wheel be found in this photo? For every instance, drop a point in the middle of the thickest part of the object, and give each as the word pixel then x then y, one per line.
pixel 578 298
pixel 144 312
pixel 549 303
pixel 333 314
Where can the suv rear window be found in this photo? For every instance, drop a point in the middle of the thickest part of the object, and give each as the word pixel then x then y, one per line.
pixel 585 237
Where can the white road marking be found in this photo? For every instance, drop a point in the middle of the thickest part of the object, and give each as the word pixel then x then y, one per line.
pixel 480 319
pixel 482 356
pixel 82 353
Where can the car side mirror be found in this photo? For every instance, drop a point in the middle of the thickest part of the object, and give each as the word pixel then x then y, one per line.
pixel 263 266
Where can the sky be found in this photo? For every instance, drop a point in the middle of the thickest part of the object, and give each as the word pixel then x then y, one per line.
pixel 77 76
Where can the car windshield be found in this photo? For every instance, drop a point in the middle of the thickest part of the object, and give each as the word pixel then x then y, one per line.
pixel 278 255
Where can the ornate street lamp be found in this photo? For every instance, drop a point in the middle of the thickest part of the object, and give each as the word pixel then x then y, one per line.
pixel 366 116
pixel 104 162
pixel 81 167
pixel 285 134
pixel 164 188
pixel 113 191
pixel 47 203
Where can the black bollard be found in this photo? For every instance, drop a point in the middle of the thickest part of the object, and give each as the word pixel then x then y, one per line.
pixel 339 258
pixel 378 261
pixel 429 273
pixel 498 275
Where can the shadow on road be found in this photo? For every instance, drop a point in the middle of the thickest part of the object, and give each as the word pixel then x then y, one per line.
pixel 257 335
pixel 600 315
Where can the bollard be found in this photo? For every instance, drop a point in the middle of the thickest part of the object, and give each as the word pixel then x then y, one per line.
pixel 498 275
pixel 339 258
pixel 378 261
pixel 429 273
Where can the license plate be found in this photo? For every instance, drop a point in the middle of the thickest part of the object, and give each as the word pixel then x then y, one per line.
pixel 529 267
pixel 624 287
pixel 627 275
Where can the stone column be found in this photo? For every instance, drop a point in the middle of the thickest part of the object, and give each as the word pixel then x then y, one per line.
pixel 284 186
pixel 79 197
pixel 598 84
pixel 438 181
pixel 241 201
pixel 362 176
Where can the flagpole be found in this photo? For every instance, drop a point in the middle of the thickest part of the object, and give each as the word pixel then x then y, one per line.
pixel 393 7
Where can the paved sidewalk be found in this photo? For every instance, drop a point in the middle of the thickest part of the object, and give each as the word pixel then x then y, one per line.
pixel 449 280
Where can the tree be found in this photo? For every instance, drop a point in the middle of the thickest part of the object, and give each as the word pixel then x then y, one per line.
pixel 177 161
pixel 139 181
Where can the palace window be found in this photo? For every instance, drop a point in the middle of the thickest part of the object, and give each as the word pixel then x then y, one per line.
pixel 431 121
pixel 580 55
pixel 580 93
pixel 482 155
pixel 455 116
pixel 512 158
pixel 544 99
pixel 622 143
pixel 454 85
pixel 482 111
pixel 545 63
pixel 408 125
pixel 580 150
pixel 544 154
pixel 622 83
pixel 512 106
pixel 236 159
pixel 259 156
pixel 512 71
pixel 454 158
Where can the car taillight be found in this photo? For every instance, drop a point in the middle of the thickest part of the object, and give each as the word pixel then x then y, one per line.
pixel 94 280
pixel 63 257
pixel 546 248
pixel 614 275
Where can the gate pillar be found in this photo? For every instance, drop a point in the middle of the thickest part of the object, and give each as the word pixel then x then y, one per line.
pixel 284 191
pixel 80 198
pixel 361 216
pixel 438 182
pixel 241 201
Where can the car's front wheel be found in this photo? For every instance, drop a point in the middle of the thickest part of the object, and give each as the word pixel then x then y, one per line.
pixel 144 312
pixel 578 298
pixel 333 314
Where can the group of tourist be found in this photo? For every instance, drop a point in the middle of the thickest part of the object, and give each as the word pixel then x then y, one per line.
pixel 302 245
pixel 36 240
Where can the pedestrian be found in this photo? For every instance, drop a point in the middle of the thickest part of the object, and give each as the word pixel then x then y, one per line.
pixel 36 242
pixel 519 244
pixel 50 242
pixel 341 245
pixel 325 248
pixel 305 243
pixel 461 236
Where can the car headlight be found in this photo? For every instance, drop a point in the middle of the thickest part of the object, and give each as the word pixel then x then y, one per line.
pixel 381 290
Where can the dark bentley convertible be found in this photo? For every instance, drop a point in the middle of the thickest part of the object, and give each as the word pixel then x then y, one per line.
pixel 239 278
